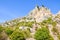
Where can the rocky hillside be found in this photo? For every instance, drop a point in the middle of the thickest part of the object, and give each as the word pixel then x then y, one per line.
pixel 39 24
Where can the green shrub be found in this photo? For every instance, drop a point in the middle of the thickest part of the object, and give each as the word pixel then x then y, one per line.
pixel 29 24
pixel 58 36
pixel 54 23
pixel 42 34
pixel 8 31
pixel 16 35
pixel 1 29
pixel 26 33
pixel 55 30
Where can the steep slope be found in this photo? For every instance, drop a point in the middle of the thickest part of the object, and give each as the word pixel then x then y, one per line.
pixel 37 18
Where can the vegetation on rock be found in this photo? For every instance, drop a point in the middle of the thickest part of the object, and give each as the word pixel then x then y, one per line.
pixel 43 34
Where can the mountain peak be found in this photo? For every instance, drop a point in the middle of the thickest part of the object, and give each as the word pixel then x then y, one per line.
pixel 40 12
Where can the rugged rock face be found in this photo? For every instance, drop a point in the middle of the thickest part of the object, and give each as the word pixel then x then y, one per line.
pixel 35 17
pixel 40 13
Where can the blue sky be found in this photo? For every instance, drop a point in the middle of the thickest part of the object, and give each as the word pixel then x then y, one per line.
pixel 10 9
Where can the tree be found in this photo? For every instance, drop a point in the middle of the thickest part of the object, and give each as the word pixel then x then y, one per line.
pixel 43 6
pixel 42 34
pixel 38 7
